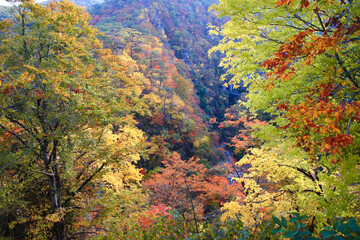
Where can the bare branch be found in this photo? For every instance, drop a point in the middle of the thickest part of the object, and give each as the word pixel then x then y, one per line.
pixel 45 173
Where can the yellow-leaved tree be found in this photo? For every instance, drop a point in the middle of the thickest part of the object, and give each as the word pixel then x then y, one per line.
pixel 66 107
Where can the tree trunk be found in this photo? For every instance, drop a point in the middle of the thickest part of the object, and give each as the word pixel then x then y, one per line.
pixel 51 165
pixel 59 230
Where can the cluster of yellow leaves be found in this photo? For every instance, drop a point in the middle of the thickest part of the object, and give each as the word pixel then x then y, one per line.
pixel 126 145
pixel 269 186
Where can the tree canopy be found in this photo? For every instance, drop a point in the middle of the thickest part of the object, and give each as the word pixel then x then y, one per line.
pixel 62 94
pixel 127 134
pixel 299 60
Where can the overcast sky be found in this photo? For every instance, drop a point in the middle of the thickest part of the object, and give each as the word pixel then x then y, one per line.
pixel 4 3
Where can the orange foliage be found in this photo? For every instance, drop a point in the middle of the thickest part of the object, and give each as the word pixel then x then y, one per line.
pixel 320 123
pixel 242 126
pixel 212 121
pixel 219 188
pixel 179 185
pixel 184 186
pixel 327 119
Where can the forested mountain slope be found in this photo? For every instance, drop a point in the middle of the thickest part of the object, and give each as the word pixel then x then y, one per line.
pixel 86 3
pixel 169 41
pixel 181 26
pixel 4 12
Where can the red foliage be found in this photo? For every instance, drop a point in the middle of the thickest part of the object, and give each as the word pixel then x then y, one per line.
pixel 77 90
pixel 8 90
pixel 218 188
pixel 158 119
pixel 40 94
pixel 142 171
pixel 160 210
pixel 321 117
pixel 321 122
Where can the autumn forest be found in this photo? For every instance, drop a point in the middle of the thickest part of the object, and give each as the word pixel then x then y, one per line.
pixel 180 119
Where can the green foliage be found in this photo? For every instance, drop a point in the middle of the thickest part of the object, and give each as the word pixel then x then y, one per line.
pixel 288 54
pixel 296 228
pixel 174 227
pixel 232 229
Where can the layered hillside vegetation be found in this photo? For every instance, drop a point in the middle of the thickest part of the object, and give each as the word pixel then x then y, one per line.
pixel 4 12
pixel 181 26
pixel 169 41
